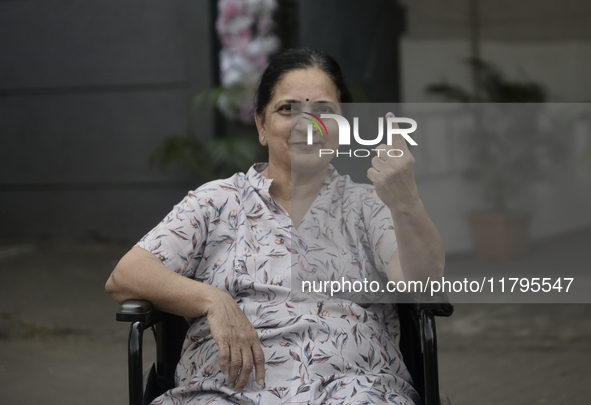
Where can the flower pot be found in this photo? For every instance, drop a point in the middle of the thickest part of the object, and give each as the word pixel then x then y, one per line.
pixel 500 236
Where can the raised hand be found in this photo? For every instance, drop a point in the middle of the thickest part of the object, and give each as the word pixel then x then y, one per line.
pixel 392 173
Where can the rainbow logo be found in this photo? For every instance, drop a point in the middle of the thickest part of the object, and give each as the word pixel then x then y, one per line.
pixel 317 126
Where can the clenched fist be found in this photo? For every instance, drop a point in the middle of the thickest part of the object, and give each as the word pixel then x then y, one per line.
pixel 392 173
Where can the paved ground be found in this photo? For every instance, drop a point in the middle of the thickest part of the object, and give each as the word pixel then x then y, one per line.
pixel 60 344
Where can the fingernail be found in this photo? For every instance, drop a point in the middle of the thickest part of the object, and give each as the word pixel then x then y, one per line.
pixel 260 382
pixel 390 115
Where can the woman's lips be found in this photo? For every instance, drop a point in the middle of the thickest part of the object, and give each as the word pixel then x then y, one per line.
pixel 305 146
pixel 305 142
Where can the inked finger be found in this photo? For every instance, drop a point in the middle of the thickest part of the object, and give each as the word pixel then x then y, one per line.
pixel 391 115
pixel 395 137
pixel 398 141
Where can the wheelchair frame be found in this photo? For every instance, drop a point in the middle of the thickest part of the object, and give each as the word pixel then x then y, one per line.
pixel 418 345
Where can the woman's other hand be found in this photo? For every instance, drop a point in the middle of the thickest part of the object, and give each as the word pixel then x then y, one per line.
pixel 141 275
pixel 238 342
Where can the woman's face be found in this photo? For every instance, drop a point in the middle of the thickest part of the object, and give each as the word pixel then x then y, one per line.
pixel 285 129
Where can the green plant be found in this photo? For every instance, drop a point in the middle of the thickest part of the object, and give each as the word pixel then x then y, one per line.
pixel 493 87
pixel 235 150
pixel 507 149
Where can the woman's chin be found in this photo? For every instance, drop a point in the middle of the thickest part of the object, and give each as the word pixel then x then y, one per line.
pixel 303 148
pixel 308 158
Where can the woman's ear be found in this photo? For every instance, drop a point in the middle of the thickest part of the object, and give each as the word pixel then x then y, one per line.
pixel 260 122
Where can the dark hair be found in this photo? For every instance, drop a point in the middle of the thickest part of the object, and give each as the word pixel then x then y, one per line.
pixel 293 59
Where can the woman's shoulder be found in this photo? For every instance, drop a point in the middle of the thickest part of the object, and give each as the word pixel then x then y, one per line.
pixel 235 183
pixel 233 188
pixel 227 185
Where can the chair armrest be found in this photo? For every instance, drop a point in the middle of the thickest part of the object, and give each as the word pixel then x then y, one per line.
pixel 142 315
pixel 438 303
pixel 139 311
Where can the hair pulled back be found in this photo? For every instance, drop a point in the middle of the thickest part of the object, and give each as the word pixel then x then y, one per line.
pixel 294 59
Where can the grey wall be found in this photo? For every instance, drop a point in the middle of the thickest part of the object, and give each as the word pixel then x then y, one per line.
pixel 87 92
pixel 500 20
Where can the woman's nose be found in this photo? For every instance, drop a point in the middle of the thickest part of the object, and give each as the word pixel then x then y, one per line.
pixel 298 123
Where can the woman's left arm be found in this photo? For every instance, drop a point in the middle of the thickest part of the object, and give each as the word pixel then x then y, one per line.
pixel 420 250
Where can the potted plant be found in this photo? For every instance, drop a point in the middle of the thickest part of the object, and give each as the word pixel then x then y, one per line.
pixel 507 152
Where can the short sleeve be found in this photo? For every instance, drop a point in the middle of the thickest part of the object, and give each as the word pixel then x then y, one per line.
pixel 380 231
pixel 179 239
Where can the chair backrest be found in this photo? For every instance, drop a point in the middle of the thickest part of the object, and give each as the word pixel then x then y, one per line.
pixel 410 346
pixel 170 336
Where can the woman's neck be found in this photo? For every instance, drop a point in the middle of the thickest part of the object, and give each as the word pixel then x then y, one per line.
pixel 295 192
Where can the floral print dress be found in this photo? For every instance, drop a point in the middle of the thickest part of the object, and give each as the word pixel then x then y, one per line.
pixel 231 234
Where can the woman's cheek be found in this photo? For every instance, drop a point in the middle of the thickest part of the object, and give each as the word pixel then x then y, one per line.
pixel 333 139
pixel 284 126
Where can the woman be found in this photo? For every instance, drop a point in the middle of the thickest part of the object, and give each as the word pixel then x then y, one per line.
pixel 229 245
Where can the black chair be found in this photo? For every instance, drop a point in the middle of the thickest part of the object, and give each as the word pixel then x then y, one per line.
pixel 418 344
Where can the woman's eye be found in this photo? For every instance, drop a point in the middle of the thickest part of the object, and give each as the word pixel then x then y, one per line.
pixel 325 110
pixel 286 107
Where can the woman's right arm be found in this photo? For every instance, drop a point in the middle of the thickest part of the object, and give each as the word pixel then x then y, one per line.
pixel 141 275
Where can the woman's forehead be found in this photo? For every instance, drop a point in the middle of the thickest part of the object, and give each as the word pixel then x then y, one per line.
pixel 300 84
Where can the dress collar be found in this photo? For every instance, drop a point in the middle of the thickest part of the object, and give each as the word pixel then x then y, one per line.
pixel 262 184
pixel 259 182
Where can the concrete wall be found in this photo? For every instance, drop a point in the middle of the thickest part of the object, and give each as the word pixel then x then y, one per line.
pixel 548 42
pixel 559 203
pixel 87 92
pixel 561 66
